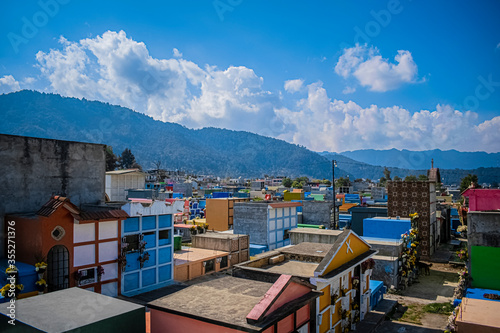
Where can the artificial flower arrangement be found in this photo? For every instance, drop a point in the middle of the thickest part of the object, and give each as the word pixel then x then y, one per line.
pixel 462 254
pixel 11 269
pixel 40 267
pixel 355 281
pixel 5 289
pixel 100 272
pixel 334 299
pixel 41 284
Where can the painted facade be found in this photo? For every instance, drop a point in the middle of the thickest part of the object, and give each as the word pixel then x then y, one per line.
pixel 219 213
pixel 340 271
pixel 119 181
pixel 76 245
pixel 482 199
pixel 267 223
pixel 147 245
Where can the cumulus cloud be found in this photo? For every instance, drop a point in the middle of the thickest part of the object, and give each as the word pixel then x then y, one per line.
pixel 292 86
pixel 371 70
pixel 320 123
pixel 8 84
pixel 116 69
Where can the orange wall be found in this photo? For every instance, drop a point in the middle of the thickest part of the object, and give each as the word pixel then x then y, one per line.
pixel 219 213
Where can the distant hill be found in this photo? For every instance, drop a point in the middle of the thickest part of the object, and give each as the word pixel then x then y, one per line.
pixel 205 151
pixel 443 159
pixel 449 176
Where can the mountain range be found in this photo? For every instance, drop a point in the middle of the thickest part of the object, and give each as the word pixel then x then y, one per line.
pixel 213 151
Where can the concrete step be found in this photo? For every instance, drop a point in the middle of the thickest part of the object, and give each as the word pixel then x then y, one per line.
pixel 373 318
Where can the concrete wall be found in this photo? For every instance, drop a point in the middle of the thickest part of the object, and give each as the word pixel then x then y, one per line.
pixel 301 235
pixel 317 212
pixel 250 218
pixel 483 229
pixel 386 270
pixel 34 169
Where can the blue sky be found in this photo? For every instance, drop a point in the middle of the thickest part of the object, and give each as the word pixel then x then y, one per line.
pixel 402 74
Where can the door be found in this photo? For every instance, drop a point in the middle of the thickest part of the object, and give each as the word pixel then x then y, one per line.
pixel 58 268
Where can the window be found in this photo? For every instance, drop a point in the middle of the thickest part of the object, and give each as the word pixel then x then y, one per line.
pixel 209 265
pixel 286 234
pixel 132 243
pixel 58 233
pixel 164 235
pixel 88 276
pixel 223 262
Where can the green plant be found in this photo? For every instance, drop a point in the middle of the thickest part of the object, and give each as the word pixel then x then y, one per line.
pixel 440 308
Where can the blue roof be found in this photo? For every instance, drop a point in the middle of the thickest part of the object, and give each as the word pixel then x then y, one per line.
pixel 477 293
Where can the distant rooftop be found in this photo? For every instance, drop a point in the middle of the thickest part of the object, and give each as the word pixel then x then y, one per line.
pixel 190 254
pixel 123 172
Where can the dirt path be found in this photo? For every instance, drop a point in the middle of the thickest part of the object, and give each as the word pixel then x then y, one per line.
pixel 410 316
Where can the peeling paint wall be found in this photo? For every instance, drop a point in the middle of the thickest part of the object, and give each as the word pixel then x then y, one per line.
pixel 34 169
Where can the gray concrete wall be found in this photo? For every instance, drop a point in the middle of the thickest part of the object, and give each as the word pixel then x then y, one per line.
pixel 34 169
pixel 317 212
pixel 386 269
pixel 483 229
pixel 301 235
pixel 250 218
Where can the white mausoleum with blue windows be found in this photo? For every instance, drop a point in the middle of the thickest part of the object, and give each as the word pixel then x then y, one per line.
pixel 147 245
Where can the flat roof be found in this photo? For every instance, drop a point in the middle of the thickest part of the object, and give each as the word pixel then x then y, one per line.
pixel 226 300
pixel 316 231
pixel 190 254
pixel 60 311
pixel 479 312
pixel 308 249
pixel 219 235
pixel 293 267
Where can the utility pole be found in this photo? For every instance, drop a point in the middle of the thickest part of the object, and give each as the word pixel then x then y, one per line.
pixel 334 224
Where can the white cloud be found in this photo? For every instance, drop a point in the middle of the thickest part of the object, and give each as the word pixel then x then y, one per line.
pixel 320 123
pixel 116 69
pixel 348 90
pixel 8 84
pixel 119 70
pixel 177 53
pixel 372 71
pixel 292 86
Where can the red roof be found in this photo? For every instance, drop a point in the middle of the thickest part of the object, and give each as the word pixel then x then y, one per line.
pixel 57 201
pixel 285 204
pixel 101 215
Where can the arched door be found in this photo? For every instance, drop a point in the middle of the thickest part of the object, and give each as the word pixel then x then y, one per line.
pixel 58 268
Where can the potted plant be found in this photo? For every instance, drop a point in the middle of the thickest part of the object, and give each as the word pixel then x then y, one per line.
pixel 193 230
pixel 122 261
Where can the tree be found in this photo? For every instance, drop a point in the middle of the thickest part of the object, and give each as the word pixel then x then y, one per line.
pixel 287 182
pixel 467 180
pixel 296 184
pixel 387 173
pixel 422 177
pixel 410 178
pixel 127 160
pixel 382 181
pixel 111 159
pixel 397 178
pixel 342 182
pixel 327 182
